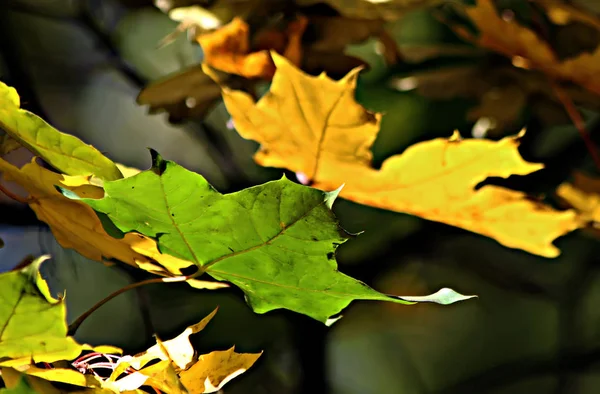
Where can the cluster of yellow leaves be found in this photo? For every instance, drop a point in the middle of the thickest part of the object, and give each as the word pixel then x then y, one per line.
pixel 313 126
pixel 527 49
pixel 178 371
pixel 75 225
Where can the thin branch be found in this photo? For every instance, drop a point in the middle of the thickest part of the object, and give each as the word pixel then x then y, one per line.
pixel 578 121
pixel 75 325
pixel 12 195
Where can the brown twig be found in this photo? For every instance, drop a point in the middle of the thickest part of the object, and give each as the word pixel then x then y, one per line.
pixel 12 195
pixel 578 121
pixel 75 325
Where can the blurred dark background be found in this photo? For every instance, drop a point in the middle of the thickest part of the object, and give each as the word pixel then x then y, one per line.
pixel 535 327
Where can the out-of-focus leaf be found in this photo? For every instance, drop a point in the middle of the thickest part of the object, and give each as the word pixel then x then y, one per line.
pixel 22 387
pixel 526 49
pixel 228 49
pixel 435 180
pixel 63 151
pixel 18 383
pixel 8 144
pixel 583 194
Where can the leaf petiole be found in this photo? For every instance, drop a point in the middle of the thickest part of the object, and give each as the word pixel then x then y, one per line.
pixel 75 325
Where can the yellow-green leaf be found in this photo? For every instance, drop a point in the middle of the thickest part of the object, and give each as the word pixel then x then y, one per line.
pixel 63 151
pixel 32 323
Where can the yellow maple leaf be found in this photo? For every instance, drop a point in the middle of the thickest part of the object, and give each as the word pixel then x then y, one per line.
pixel 583 194
pixel 75 225
pixel 313 126
pixel 214 370
pixel 527 50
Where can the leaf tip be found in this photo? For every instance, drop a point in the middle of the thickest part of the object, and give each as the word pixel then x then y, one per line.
pixel 36 263
pixel 331 196
pixel 332 320
pixel 455 137
pixel 159 165
pixel 444 296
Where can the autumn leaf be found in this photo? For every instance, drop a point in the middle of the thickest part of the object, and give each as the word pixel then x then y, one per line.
pixel 186 93
pixel 32 322
pixel 62 375
pixel 582 194
pixel 21 387
pixel 16 379
pixel 63 151
pixel 161 376
pixel 275 241
pixel 526 49
pixel 8 144
pixel 75 225
pixel 228 49
pixel 214 370
pixel 563 13
pixel 314 127
pixel 179 349
pixel 18 383
pixel 205 374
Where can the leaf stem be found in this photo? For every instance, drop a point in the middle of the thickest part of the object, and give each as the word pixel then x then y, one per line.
pixel 12 195
pixel 578 121
pixel 75 325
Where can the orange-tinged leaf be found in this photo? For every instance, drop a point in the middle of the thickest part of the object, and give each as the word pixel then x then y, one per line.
pixel 75 225
pixel 313 126
pixel 228 49
pixel 527 50
pixel 214 370
pixel 583 194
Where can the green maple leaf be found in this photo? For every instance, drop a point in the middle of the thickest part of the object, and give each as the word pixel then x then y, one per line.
pixel 275 241
pixel 32 322
pixel 63 151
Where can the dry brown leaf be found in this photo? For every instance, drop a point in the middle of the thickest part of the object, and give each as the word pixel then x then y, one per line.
pixel 313 126
pixel 214 370
pixel 527 50
pixel 76 226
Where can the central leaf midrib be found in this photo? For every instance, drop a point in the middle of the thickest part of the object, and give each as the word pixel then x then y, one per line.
pixel 187 244
pixel 219 259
